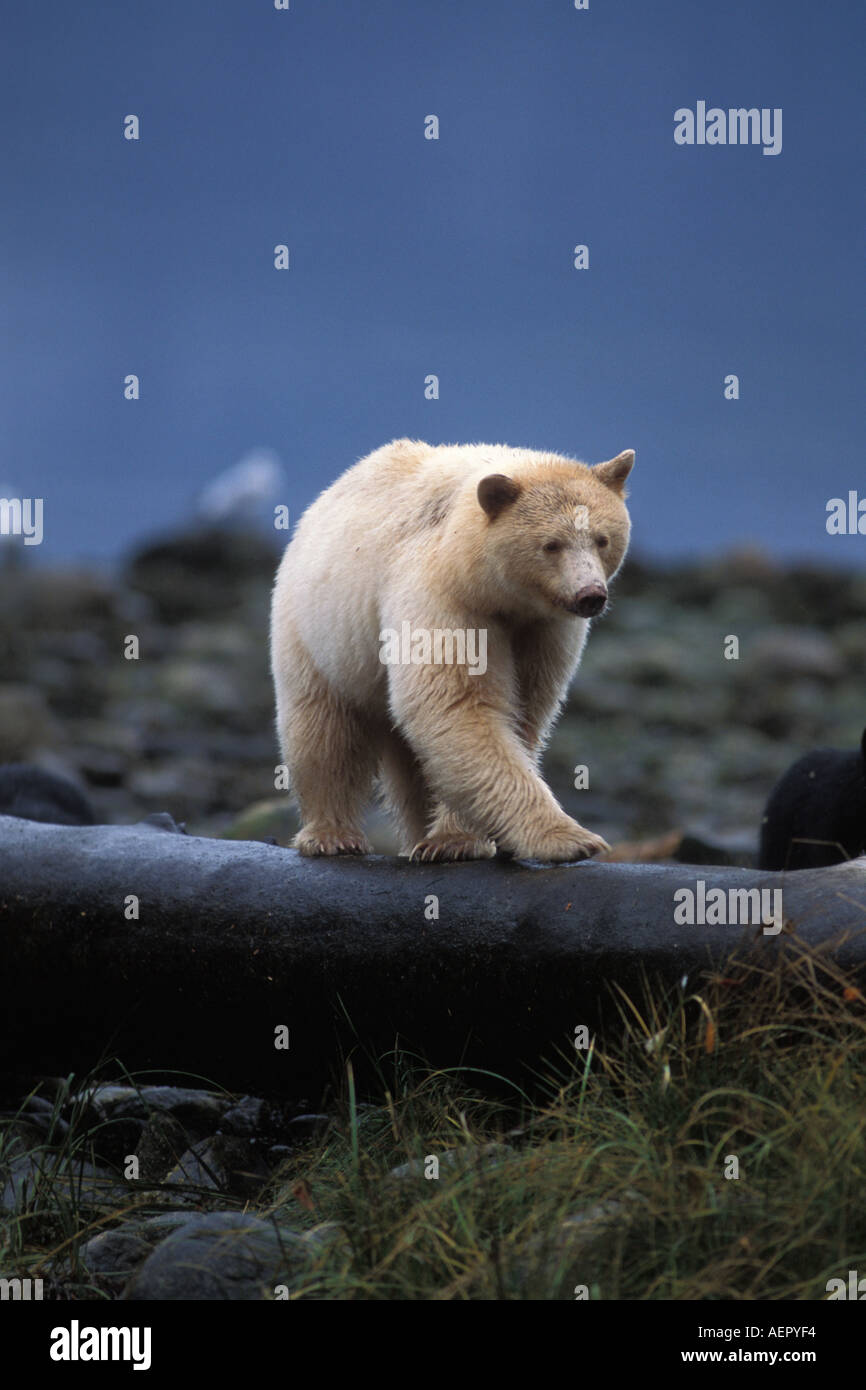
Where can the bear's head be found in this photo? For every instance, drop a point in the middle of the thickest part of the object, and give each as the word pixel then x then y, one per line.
pixel 556 532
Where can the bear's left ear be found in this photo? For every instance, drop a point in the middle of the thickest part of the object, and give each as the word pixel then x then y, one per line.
pixel 614 473
pixel 496 492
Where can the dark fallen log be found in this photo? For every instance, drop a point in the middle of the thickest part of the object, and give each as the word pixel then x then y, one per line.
pixel 234 939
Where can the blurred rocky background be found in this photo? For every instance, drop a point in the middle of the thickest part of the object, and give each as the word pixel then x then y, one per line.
pixel 675 735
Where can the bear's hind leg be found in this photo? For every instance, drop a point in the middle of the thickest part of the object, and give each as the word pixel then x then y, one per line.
pixel 331 757
pixel 414 808
pixel 406 793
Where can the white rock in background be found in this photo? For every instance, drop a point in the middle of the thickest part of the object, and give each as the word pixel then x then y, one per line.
pixel 244 492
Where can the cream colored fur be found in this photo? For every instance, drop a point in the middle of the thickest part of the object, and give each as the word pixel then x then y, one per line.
pixel 402 536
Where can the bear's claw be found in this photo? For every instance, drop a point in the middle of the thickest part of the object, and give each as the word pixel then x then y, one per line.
pixel 438 849
pixel 312 843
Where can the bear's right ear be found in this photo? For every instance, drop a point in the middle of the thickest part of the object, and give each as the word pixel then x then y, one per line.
pixel 496 492
pixel 614 473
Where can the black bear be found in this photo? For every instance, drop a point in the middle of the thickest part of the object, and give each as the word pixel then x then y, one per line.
pixel 816 814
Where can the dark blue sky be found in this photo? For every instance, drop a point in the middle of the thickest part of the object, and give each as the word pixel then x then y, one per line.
pixel 411 257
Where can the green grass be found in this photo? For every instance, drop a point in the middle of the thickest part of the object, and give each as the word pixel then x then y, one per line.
pixel 612 1177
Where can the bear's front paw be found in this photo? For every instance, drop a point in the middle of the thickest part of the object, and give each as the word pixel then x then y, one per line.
pixel 563 844
pixel 313 840
pixel 437 849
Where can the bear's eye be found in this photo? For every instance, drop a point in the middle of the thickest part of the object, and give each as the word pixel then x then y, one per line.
pixel 601 542
pixel 553 546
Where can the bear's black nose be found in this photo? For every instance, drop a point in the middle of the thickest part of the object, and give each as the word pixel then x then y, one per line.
pixel 589 601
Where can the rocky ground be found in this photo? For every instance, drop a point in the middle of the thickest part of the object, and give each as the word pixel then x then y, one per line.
pixel 164 1158
pixel 674 734
pixel 164 1204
